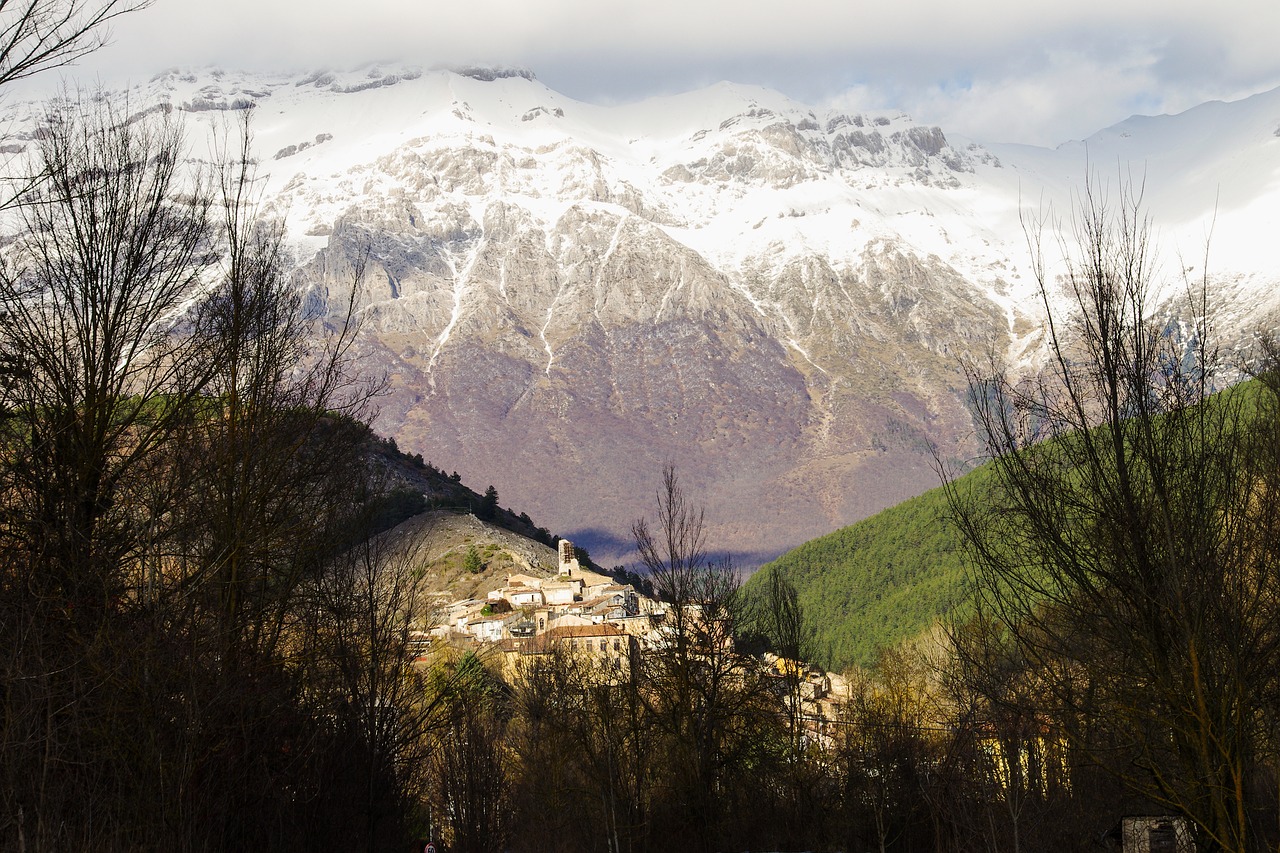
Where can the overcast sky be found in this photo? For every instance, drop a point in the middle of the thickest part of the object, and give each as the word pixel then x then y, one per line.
pixel 995 70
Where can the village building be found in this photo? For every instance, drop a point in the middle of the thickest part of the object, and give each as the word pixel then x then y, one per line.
pixel 487 629
pixel 569 620
pixel 611 651
pixel 521 626
pixel 524 580
pixel 568 562
pixel 598 586
pixel 523 596
pixel 562 591
pixel 612 601
pixel 642 626
pixel 462 612
pixel 541 617
pixel 1161 834
pixel 577 609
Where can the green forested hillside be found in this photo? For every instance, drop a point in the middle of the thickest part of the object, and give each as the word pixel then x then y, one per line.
pixel 889 577
pixel 880 581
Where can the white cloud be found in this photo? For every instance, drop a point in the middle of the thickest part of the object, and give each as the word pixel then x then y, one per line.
pixel 1064 96
pixel 1024 70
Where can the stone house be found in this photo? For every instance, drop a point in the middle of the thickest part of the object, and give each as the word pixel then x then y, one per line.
pixel 1159 834
pixel 562 591
pixel 523 596
pixel 487 629
pixel 611 650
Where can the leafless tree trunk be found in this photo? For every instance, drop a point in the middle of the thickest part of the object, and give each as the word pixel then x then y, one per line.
pixel 705 695
pixel 176 462
pixel 782 620
pixel 1129 539
pixel 97 380
pixel 470 764
pixel 361 612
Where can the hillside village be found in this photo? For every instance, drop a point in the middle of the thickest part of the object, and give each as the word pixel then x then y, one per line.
pixel 234 615
pixel 574 609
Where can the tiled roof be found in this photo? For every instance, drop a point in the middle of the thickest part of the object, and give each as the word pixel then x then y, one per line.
pixel 577 631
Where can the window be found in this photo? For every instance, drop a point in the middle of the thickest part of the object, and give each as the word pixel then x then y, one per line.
pixel 1162 838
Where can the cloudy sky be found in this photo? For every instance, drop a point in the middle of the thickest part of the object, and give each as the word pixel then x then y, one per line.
pixel 995 70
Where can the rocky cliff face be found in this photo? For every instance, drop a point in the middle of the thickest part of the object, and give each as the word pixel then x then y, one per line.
pixel 566 358
pixel 565 297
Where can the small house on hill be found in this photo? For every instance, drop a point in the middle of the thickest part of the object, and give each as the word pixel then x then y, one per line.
pixel 524 580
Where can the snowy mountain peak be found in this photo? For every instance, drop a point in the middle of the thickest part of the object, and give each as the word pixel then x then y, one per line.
pixel 773 295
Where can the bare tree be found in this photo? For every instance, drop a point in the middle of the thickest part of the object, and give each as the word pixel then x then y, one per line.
pixel 273 503
pixel 583 743
pixel 95 375
pixel 1129 542
pixel 278 447
pixel 361 611
pixel 883 748
pixel 178 457
pixel 674 554
pixel 37 35
pixel 469 766
pixel 705 695
pixel 97 380
pixel 781 618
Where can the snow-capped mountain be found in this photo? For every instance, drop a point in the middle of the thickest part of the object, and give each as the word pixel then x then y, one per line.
pixel 773 297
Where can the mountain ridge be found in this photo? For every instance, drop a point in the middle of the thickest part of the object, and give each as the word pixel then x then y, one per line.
pixel 772 296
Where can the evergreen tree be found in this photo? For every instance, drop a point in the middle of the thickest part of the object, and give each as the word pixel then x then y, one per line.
pixel 488 504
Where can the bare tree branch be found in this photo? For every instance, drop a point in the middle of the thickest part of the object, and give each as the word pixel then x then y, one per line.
pixel 38 35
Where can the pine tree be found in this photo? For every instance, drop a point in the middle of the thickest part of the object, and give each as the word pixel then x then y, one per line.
pixel 488 504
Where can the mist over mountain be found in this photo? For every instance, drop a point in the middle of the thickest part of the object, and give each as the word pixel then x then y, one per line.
pixel 774 297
